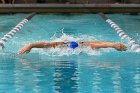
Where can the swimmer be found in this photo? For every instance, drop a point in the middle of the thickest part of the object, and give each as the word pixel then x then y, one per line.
pixel 73 45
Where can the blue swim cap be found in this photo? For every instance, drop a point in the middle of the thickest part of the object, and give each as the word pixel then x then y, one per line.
pixel 73 45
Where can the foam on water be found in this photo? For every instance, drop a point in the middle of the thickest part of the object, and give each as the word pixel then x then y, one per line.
pixel 64 50
pixel 59 51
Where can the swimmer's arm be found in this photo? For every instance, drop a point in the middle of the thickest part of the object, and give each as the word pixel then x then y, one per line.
pixel 38 45
pixel 28 47
pixel 117 46
pixel 46 44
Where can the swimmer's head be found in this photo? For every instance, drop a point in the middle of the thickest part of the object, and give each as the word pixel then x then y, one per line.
pixel 73 45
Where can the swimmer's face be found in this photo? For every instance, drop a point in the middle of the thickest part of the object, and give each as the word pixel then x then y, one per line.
pixel 80 42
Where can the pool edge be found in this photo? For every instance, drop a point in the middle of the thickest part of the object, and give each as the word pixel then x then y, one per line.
pixel 69 8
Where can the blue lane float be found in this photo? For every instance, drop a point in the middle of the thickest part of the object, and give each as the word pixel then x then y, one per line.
pixel 133 45
pixel 14 30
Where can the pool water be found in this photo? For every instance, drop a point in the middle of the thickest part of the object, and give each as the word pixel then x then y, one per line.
pixel 60 70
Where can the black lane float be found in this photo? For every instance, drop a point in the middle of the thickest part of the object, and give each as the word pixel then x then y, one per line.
pixel 133 45
pixel 14 30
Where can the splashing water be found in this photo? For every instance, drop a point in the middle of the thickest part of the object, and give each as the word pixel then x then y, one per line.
pixel 61 51
pixel 68 38
pixel 64 50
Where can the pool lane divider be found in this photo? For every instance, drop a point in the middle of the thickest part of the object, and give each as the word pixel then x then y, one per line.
pixel 133 45
pixel 14 30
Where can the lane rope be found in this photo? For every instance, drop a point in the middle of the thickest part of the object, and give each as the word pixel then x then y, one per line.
pixel 11 33
pixel 133 44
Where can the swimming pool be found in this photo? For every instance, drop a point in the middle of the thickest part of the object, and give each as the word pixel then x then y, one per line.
pixel 61 71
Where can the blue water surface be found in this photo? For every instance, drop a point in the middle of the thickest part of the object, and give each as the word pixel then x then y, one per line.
pixel 60 70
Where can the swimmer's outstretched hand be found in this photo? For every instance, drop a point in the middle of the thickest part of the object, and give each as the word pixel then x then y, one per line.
pixel 120 47
pixel 25 49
